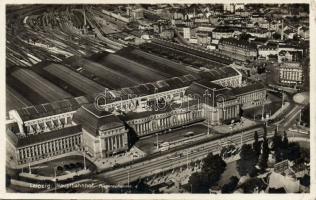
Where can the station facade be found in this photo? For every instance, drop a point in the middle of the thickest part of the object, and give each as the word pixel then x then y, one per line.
pixel 53 129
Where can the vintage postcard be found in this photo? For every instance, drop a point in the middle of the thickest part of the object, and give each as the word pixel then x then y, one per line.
pixel 158 98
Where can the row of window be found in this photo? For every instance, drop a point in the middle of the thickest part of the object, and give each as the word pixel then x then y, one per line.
pixel 166 123
pixel 112 131
pixel 49 147
pixel 44 156
pixel 251 97
pixel 291 75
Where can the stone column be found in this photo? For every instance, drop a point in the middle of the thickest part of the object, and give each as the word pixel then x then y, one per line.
pixel 113 142
pixel 150 125
pixel 118 141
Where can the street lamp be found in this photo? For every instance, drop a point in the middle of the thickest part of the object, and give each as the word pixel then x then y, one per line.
pixel 213 90
pixel 30 171
pixel 242 132
pixel 206 94
pixel 282 99
pixel 262 112
pixel 187 159
pixel 84 158
pixel 157 141
pixel 55 179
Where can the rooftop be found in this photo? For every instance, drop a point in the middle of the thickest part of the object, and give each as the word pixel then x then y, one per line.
pixel 93 119
pixel 167 108
pixel 295 65
pixel 49 109
pixel 223 29
pixel 249 88
pixel 218 73
pixel 200 88
pixel 151 88
pixel 240 43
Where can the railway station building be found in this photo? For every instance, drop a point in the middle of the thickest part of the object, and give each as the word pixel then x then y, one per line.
pixel 103 133
pixel 171 116
pixel 44 131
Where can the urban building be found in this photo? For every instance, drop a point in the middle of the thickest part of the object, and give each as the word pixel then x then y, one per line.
pixel 229 8
pixel 186 32
pixel 217 102
pixel 252 95
pixel 137 97
pixel 43 131
pixel 203 37
pixel 203 20
pixel 160 26
pixel 23 150
pixel 103 133
pixel 259 33
pixel 167 34
pixel 265 50
pixel 222 32
pixel 47 117
pixel 238 49
pixel 165 118
pixel 289 56
pixel 223 76
pixel 303 32
pixel 291 73
pixel 135 14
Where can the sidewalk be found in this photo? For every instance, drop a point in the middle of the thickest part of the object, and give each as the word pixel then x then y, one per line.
pixel 52 178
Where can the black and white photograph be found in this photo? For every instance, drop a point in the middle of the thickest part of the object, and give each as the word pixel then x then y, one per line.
pixel 157 98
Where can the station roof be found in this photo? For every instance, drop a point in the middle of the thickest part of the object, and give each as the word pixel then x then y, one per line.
pixel 154 87
pixel 48 109
pixel 200 88
pixel 218 73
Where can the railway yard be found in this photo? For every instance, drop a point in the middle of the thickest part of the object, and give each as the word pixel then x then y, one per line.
pixel 51 54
